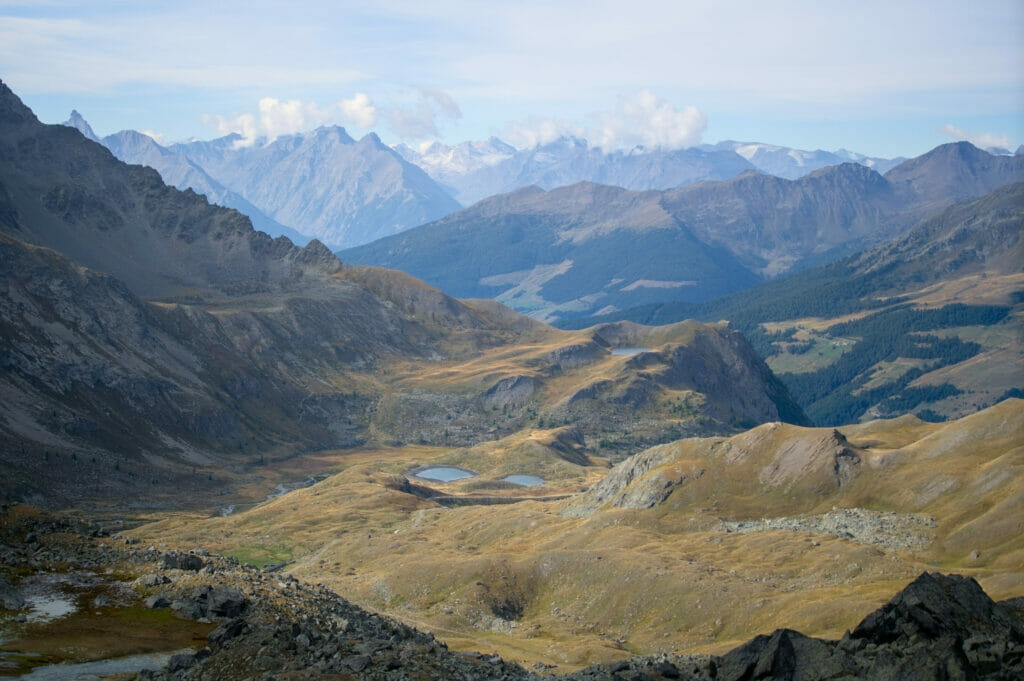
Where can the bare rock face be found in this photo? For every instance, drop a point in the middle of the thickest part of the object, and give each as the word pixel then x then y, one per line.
pixel 516 389
pixel 830 460
pixel 628 484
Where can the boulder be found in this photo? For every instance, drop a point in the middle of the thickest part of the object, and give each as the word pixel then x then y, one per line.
pixel 10 597
pixel 225 602
pixel 182 561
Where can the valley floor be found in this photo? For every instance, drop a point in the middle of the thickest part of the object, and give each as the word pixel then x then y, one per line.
pixel 692 546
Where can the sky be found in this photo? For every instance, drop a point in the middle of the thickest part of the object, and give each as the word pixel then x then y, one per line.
pixel 892 78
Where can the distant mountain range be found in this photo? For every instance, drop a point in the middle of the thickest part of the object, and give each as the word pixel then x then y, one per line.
pixel 325 185
pixel 477 170
pixel 592 249
pixel 321 184
pixel 475 173
pixel 795 163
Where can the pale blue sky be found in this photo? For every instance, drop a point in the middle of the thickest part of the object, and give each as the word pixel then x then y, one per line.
pixel 883 78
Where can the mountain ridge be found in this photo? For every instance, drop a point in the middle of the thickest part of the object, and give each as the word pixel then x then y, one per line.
pixel 693 243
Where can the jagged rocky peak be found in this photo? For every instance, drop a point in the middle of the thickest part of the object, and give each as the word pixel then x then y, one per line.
pixel 315 253
pixel 75 120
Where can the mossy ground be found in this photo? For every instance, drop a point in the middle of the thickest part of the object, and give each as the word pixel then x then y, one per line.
pixel 92 633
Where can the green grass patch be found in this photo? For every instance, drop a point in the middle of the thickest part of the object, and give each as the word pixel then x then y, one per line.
pixel 261 554
pixel 818 352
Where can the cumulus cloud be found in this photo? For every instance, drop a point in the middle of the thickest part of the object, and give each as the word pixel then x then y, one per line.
pixel 275 118
pixel 420 118
pixel 646 119
pixel 535 132
pixel 982 140
pixel 359 110
pixel 639 119
pixel 157 137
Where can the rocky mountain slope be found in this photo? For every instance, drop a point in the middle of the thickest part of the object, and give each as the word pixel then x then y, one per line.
pixel 322 184
pixel 155 342
pixel 694 546
pixel 265 624
pixel 930 322
pixel 178 171
pixel 589 249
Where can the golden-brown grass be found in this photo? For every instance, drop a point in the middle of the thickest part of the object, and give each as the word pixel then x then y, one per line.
pixel 534 585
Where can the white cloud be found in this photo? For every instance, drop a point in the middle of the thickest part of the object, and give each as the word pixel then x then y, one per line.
pixel 276 118
pixel 646 119
pixel 639 119
pixel 157 137
pixel 418 119
pixel 982 140
pixel 535 132
pixel 359 110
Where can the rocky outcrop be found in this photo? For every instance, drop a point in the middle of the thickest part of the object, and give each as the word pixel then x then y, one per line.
pixel 575 355
pixel 569 444
pixel 891 530
pixel 512 390
pixel 628 484
pixel 830 460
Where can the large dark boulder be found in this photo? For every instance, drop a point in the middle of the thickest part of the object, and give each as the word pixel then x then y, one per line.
pixel 174 560
pixel 225 602
pixel 785 655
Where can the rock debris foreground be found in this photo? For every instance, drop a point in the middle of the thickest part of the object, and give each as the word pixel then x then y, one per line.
pixel 272 626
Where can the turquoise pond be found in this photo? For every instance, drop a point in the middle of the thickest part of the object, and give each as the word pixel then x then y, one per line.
pixel 629 351
pixel 528 480
pixel 444 473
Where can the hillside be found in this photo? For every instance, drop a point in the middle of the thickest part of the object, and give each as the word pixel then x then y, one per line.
pixel 689 546
pixel 929 323
pixel 158 344
pixel 590 249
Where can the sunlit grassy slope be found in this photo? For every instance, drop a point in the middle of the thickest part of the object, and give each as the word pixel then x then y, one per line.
pixel 572 581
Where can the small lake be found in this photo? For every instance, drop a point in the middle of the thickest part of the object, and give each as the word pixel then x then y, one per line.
pixel 527 480
pixel 443 473
pixel 101 668
pixel 629 351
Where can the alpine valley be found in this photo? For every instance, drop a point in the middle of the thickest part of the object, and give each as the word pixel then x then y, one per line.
pixel 227 452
